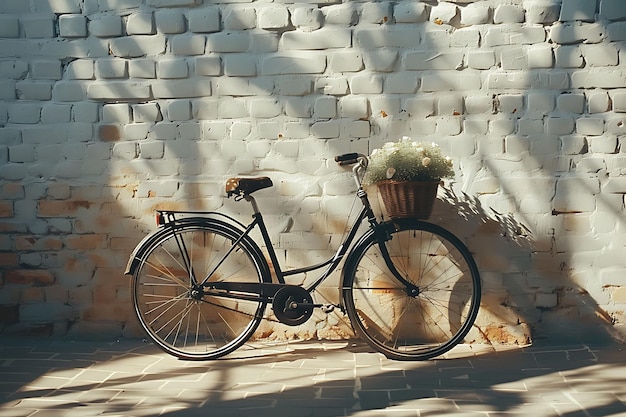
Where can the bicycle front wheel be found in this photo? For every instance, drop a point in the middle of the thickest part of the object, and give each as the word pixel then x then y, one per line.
pixel 175 311
pixel 435 307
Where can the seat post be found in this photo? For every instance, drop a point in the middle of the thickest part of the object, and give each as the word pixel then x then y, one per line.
pixel 252 201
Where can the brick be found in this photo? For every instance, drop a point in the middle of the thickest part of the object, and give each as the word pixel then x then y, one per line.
pixel 118 4
pixel 307 19
pixel 169 21
pixel 137 46
pixel 590 126
pixel 568 56
pixel 294 86
pixel 72 26
pixel 443 13
pixel 208 65
pixel 181 88
pixel 510 80
pixel 240 19
pixel 577 10
pixel 29 276
pixel 450 81
pixel 553 80
pixel 475 14
pixel 366 84
pixel 450 105
pixel 188 45
pixel 346 61
pixel 9 26
pixel 571 103
pixel 228 41
pixel 381 61
pixel 607 144
pixel 598 78
pixel 172 68
pixel 46 70
pixel 478 104
pixel 81 69
pixel 616 31
pixel 119 90
pixel 172 3
pixel 481 59
pixel 559 125
pixel 141 23
pixel 106 26
pixel 325 129
pixel 508 13
pixel 273 17
pixel 401 83
pixel 410 12
pixel 205 20
pixel 341 14
pixel 465 38
pixel 39 26
pixel 600 55
pixel 111 68
pixel 514 59
pixel 510 103
pixel 36 91
pixel 543 12
pixel 325 108
pixel 514 35
pixel 112 113
pixel 142 68
pixel 577 32
pixel 354 107
pixel 377 13
pixel 308 63
pixel 612 10
pixel 395 37
pixel 240 66
pixel 540 56
pixel 243 87
pixel 599 102
pixel 320 39
pixel 57 6
pixel 433 60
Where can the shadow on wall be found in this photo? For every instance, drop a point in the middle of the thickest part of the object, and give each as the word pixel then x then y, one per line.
pixel 530 293
pixel 182 108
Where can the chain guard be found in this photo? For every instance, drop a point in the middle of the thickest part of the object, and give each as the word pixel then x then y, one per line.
pixel 292 305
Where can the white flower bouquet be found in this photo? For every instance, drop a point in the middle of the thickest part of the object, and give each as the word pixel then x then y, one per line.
pixel 406 160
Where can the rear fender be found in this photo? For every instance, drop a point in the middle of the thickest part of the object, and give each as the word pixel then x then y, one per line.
pixel 143 248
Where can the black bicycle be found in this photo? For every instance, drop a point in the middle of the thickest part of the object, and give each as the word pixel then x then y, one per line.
pixel 201 284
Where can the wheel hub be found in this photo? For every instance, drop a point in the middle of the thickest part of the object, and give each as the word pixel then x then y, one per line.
pixel 292 305
pixel 196 293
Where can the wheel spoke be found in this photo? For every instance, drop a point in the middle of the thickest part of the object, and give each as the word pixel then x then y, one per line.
pixel 181 318
pixel 420 322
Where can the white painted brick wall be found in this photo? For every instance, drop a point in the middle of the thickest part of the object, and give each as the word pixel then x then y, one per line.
pixel 144 99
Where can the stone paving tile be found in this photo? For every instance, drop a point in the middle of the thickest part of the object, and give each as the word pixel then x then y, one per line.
pixel 135 379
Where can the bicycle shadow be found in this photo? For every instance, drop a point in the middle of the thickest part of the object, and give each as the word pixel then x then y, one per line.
pixel 327 379
pixel 522 303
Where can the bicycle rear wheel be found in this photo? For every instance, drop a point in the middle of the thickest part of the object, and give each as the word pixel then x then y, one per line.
pixel 175 312
pixel 429 316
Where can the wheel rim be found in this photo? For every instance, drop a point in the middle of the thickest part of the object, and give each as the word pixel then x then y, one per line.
pixel 177 315
pixel 430 316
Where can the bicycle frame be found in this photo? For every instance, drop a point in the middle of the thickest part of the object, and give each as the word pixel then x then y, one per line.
pixel 265 291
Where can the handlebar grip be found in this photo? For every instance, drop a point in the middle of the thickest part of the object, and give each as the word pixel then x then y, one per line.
pixel 347 158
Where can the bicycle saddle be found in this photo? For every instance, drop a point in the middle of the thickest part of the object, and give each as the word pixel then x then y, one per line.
pixel 239 186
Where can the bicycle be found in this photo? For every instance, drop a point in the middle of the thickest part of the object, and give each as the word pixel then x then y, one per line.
pixel 201 284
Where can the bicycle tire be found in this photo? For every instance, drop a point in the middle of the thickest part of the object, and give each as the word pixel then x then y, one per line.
pixel 188 324
pixel 428 322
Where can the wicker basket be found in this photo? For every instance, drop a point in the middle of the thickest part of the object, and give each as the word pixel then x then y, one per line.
pixel 408 198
